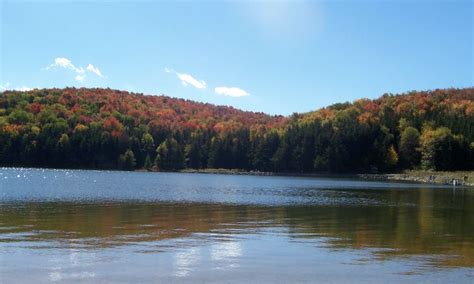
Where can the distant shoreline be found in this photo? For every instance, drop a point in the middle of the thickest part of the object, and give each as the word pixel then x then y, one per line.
pixel 461 178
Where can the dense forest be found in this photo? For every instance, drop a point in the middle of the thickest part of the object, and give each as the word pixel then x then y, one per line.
pixel 109 129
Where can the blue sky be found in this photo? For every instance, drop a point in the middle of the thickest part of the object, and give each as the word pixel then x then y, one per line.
pixel 275 57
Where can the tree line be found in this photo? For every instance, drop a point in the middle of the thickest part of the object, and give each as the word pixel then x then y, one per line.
pixel 108 129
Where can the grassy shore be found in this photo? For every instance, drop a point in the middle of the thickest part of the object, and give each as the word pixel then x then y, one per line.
pixel 465 178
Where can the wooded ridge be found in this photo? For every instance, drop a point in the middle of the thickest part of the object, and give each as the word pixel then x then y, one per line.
pixel 110 129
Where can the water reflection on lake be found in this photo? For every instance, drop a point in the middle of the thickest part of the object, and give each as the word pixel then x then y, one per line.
pixel 92 226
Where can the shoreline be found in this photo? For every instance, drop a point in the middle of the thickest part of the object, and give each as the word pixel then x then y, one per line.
pixel 459 178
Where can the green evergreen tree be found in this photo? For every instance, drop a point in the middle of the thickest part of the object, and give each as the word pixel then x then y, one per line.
pixel 148 164
pixel 127 161
pixel 169 156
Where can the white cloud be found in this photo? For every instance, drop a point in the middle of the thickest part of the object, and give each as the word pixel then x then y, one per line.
pixel 63 62
pixel 79 78
pixel 231 92
pixel 187 79
pixel 4 87
pixel 23 89
pixel 95 70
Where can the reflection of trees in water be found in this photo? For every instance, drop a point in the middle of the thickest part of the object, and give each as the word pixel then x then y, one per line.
pixel 422 222
pixel 429 222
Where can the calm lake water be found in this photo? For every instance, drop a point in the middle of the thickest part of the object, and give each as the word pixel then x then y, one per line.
pixel 71 226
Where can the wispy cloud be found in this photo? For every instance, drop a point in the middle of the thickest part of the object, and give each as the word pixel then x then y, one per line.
pixel 79 77
pixel 65 63
pixel 231 92
pixel 6 86
pixel 62 62
pixel 187 79
pixel 95 70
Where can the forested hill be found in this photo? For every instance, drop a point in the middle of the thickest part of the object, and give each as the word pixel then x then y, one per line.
pixel 103 128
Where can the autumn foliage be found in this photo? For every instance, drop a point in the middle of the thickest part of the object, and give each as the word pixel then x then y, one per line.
pixel 104 128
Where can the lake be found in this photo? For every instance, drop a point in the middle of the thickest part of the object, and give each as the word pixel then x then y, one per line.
pixel 75 226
